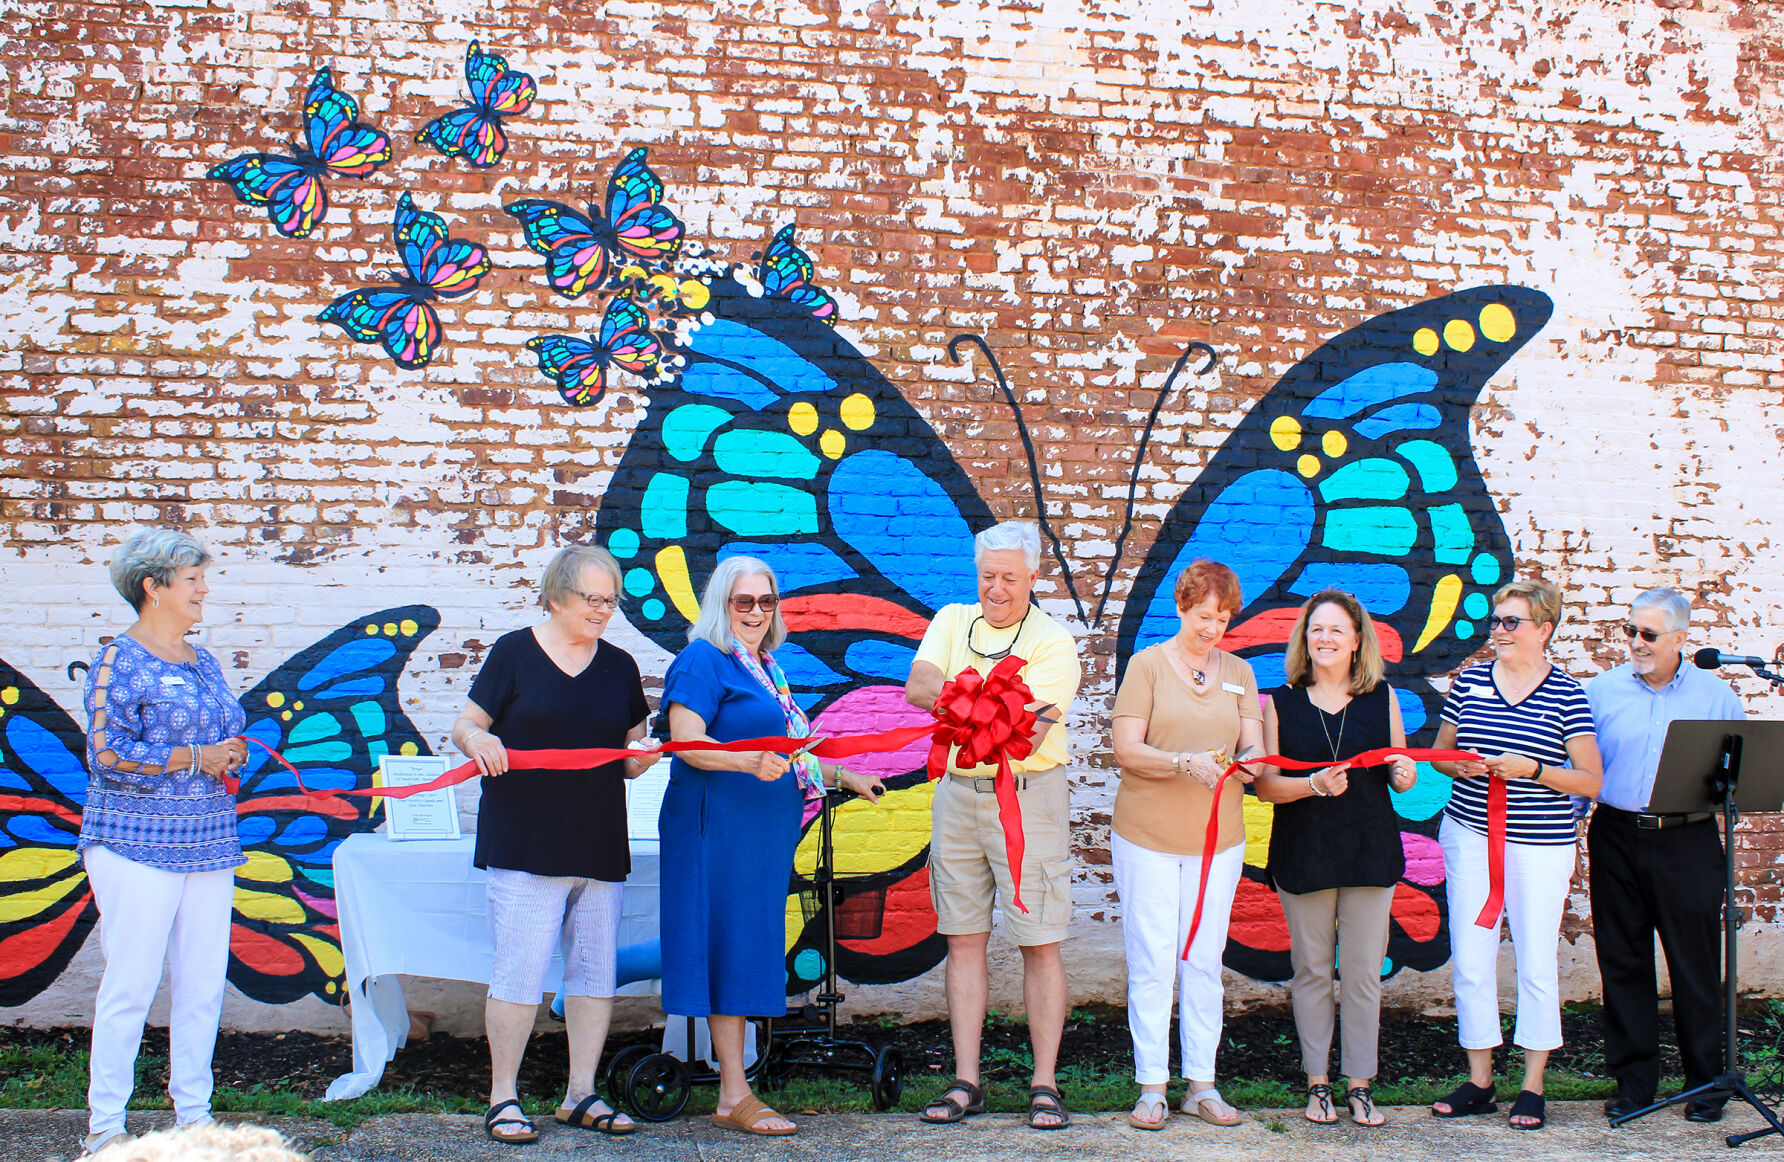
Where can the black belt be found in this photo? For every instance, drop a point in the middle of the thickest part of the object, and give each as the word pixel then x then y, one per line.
pixel 1646 822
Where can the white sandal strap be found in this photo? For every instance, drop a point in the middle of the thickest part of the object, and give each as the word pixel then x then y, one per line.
pixel 1149 1099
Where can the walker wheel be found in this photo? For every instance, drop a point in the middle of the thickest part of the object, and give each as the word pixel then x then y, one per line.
pixel 619 1072
pixel 886 1082
pixel 658 1088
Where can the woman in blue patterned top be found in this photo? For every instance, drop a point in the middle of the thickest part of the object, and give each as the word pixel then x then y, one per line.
pixel 158 832
pixel 1532 725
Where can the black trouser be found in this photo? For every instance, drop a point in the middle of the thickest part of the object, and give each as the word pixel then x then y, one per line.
pixel 1667 882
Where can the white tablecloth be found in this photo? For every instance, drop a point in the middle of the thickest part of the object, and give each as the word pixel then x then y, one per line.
pixel 417 908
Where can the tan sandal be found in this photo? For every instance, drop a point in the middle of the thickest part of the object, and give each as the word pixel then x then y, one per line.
pixel 748 1117
pixel 1153 1104
pixel 1197 1103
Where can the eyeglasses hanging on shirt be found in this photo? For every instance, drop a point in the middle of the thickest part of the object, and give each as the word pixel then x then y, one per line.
pixel 996 655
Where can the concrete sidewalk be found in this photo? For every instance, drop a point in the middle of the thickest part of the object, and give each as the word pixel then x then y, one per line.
pixel 1575 1130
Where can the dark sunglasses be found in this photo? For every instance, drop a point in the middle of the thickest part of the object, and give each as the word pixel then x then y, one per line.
pixel 1508 624
pixel 1631 631
pixel 744 603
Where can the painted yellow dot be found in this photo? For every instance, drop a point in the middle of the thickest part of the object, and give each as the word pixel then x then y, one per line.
pixel 1308 465
pixel 1424 341
pixel 1497 322
pixel 633 273
pixel 372 629
pixel 1334 444
pixel 10 695
pixel 297 706
pixel 694 293
pixel 285 716
pixel 409 748
pixel 390 629
pixel 857 412
pixel 330 986
pixel 1458 334
pixel 831 443
pixel 665 285
pixel 802 417
pixel 1285 432
pixel 409 628
pixel 275 699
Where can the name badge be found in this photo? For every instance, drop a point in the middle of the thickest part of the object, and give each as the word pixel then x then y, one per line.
pixel 1232 687
pixel 172 680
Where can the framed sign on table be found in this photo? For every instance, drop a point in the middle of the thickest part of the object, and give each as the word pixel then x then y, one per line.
pixel 429 815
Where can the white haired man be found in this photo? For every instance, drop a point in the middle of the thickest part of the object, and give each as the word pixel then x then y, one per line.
pixel 1655 874
pixel 968 868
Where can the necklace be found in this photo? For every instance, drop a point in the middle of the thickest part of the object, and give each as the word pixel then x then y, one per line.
pixel 1201 676
pixel 1342 715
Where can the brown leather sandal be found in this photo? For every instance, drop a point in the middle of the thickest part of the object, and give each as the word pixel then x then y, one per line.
pixel 954 1111
pixel 748 1117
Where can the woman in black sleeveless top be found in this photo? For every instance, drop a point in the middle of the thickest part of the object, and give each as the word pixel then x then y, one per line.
pixel 1335 852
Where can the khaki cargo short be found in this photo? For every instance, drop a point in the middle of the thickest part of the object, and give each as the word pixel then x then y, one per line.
pixel 968 868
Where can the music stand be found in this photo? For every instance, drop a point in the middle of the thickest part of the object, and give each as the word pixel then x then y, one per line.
pixel 1723 766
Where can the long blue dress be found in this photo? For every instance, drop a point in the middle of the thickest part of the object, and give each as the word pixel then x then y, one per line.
pixel 727 852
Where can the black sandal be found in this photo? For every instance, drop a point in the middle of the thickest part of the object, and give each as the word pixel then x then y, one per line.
pixel 954 1111
pixel 1363 1094
pixel 1466 1099
pixel 603 1123
pixel 1322 1093
pixel 1044 1099
pixel 1528 1105
pixel 494 1118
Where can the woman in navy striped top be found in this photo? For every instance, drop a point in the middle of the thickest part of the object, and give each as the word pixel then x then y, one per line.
pixel 1532 725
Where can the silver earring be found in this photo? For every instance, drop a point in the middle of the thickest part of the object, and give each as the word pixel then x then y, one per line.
pixel 157 603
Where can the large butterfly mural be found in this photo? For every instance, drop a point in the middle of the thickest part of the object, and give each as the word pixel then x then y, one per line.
pixel 332 710
pixel 291 188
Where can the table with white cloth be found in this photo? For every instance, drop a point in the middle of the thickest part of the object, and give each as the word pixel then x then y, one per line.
pixel 417 908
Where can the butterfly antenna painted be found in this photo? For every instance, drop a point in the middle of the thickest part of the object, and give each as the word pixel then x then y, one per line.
pixel 1133 484
pixel 1034 473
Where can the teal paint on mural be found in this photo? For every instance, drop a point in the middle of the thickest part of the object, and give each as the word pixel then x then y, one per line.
pixel 640 581
pixel 762 510
pixel 1427 796
pixel 1475 605
pixel 654 610
pixel 687 428
pixel 663 515
pixel 1452 537
pixel 311 728
pixel 765 454
pixel 1436 467
pixel 1372 479
pixel 322 752
pixel 1380 530
pixel 370 717
pixel 623 543
pixel 1486 569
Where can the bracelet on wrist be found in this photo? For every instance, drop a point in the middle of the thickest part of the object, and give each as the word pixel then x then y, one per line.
pixel 1313 786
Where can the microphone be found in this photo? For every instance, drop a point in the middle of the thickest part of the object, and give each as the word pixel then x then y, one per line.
pixel 1711 659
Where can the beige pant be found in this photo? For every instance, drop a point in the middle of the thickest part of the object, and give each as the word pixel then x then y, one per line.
pixel 968 868
pixel 1349 926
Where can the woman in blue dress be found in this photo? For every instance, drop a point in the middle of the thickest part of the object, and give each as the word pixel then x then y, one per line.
pixel 730 824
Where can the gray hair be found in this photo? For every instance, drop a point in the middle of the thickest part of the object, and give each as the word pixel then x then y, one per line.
pixel 153 555
pixel 1020 535
pixel 1669 601
pixel 564 573
pixel 714 623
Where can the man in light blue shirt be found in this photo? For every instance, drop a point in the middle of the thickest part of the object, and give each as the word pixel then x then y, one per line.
pixel 1655 874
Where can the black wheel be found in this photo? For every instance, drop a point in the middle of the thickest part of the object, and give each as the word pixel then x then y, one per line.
pixel 619 1071
pixel 886 1083
pixel 657 1089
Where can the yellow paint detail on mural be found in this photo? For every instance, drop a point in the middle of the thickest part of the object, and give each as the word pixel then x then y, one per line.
pixel 1308 465
pixel 1424 341
pixel 297 706
pixel 1443 607
pixel 1458 334
pixel 873 838
pixel 672 571
pixel 372 629
pixel 285 716
pixel 1334 444
pixel 265 867
pixel 10 695
pixel 35 863
pixel 694 293
pixel 327 955
pixel 409 748
pixel 1285 433
pixel 1497 322
pixel 275 699
pixel 666 285
pixel 22 906
pixel 857 412
pixel 632 272
pixel 390 629
pixel 802 417
pixel 831 443
pixel 795 923
pixel 1260 817
pixel 265 906
pixel 409 628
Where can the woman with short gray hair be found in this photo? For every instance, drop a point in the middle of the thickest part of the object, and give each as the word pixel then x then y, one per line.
pixel 158 831
pixel 555 842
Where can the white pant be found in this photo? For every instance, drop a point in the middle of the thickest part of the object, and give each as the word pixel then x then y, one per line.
pixel 1537 879
pixel 147 916
pixel 530 916
pixel 1158 897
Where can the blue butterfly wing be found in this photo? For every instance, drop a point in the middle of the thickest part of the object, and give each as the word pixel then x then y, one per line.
pixel 448 266
pixel 496 88
pixel 469 133
pixel 334 135
pixel 46 904
pixel 575 247
pixel 786 271
pixel 332 711
pixel 292 194
pixel 1355 471
pixel 577 366
pixel 408 329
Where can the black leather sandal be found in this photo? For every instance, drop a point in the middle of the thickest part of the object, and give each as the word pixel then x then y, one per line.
pixel 495 1119
pixel 1322 1094
pixel 602 1123
pixel 954 1111
pixel 1528 1105
pixel 1361 1100
pixel 1466 1099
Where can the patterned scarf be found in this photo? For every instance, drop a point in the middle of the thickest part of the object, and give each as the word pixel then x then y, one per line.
pixel 805 767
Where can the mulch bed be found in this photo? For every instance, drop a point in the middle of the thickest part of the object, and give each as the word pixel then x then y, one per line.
pixel 1260 1046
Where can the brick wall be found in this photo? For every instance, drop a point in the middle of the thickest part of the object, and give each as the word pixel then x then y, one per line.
pixel 1088 191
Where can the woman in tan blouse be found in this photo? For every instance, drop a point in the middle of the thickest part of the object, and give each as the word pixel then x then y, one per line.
pixel 1184 710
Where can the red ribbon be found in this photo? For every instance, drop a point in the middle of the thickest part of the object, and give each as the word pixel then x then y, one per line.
pixel 1489 912
pixel 1369 758
pixel 988 719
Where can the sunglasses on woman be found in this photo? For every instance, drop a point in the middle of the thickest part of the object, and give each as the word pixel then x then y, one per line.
pixel 1632 631
pixel 745 603
pixel 1509 624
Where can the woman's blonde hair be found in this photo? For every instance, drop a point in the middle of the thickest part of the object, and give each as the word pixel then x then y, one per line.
pixel 1543 598
pixel 1366 666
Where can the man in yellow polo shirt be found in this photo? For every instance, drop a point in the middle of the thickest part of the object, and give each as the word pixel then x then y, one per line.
pixel 968 869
